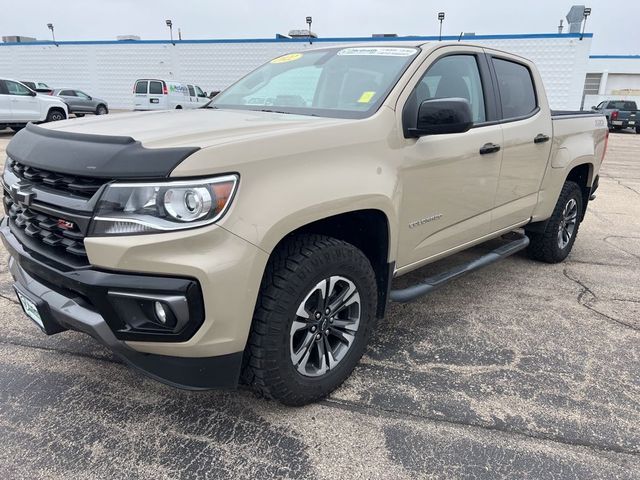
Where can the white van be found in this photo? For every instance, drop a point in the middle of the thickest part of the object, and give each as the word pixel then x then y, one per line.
pixel 154 94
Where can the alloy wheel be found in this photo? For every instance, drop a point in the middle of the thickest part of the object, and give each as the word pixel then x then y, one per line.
pixel 568 223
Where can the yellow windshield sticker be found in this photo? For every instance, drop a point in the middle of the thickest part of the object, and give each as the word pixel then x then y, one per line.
pixel 366 97
pixel 287 58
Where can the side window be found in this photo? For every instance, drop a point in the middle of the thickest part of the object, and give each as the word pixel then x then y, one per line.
pixel 15 88
pixel 82 95
pixel 155 88
pixel 517 93
pixel 200 92
pixel 454 76
pixel 192 92
pixel 141 86
pixel 68 93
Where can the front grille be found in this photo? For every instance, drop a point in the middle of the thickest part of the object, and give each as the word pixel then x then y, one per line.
pixel 63 237
pixel 82 186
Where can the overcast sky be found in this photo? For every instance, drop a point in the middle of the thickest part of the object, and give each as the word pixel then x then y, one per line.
pixel 615 23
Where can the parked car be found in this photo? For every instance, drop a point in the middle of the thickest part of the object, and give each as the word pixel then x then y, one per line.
pixel 39 87
pixel 256 239
pixel 20 105
pixel 620 114
pixel 80 103
pixel 151 94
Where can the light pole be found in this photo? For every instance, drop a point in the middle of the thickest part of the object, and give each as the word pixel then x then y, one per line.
pixel 441 18
pixel 170 25
pixel 53 35
pixel 585 14
pixel 309 20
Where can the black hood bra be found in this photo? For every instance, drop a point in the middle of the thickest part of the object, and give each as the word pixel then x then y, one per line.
pixel 88 155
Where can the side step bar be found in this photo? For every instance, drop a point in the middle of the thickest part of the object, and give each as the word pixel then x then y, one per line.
pixel 429 284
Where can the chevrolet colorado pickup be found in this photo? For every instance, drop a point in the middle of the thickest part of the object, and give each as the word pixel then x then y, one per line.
pixel 254 241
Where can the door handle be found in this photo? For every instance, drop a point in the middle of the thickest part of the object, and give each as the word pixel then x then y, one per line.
pixel 489 148
pixel 541 138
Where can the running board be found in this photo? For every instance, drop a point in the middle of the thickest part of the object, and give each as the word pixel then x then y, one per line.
pixel 429 284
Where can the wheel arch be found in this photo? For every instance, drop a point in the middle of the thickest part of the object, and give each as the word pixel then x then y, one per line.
pixel 366 229
pixel 58 109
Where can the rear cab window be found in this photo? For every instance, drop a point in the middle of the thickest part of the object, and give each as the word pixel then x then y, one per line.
pixel 518 97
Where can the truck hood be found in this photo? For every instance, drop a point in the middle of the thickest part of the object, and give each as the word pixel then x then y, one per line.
pixel 191 128
pixel 146 144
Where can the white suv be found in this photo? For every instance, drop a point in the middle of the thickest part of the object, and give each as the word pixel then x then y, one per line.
pixel 20 105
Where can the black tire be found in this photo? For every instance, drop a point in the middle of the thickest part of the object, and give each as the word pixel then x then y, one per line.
pixel 638 129
pixel 18 128
pixel 101 110
pixel 55 115
pixel 298 265
pixel 78 115
pixel 546 246
pixel 178 107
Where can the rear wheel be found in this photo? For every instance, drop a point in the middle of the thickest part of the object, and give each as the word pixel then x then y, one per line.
pixel 555 243
pixel 55 115
pixel 178 107
pixel 313 318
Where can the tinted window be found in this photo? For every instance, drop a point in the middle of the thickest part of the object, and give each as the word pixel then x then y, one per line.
pixel 141 87
pixel 155 88
pixel 200 92
pixel 16 88
pixel 30 85
pixel 621 105
pixel 192 92
pixel 453 76
pixel 67 93
pixel 517 93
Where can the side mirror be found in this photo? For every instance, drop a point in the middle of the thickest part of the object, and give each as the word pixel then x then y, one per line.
pixel 594 108
pixel 32 93
pixel 89 97
pixel 443 115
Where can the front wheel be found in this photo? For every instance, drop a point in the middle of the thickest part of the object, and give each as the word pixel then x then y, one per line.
pixel 313 318
pixel 101 110
pixel 55 115
pixel 555 243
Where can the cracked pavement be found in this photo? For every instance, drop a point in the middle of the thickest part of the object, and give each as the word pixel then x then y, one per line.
pixel 520 370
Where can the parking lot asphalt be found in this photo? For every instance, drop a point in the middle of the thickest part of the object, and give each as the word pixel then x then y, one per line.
pixel 520 370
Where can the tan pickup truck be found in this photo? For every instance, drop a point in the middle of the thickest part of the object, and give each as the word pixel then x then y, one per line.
pixel 254 241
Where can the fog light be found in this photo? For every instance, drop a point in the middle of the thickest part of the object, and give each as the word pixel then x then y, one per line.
pixel 161 314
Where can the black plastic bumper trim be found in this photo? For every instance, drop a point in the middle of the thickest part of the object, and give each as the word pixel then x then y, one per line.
pixel 91 287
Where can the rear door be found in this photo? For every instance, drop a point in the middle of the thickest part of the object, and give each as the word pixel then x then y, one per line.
pixel 527 133
pixel 71 99
pixel 156 95
pixel 140 93
pixel 5 104
pixel 24 105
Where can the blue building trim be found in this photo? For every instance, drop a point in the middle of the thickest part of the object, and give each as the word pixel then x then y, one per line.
pixel 625 57
pixel 520 36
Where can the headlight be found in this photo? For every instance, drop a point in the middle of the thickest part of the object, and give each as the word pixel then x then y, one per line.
pixel 135 208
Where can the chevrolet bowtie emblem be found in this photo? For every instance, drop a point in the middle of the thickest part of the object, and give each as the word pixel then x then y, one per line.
pixel 20 194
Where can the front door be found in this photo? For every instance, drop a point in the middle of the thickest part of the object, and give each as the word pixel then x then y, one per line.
pixel 24 104
pixel 448 185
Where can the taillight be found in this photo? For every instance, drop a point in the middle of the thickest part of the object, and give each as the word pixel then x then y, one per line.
pixel 164 89
pixel 614 115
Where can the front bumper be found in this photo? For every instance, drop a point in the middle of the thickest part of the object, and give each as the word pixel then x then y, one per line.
pixel 70 300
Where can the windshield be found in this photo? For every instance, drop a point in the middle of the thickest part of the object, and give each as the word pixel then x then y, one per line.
pixel 337 82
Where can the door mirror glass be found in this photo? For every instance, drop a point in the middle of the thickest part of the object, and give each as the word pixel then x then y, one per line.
pixel 443 115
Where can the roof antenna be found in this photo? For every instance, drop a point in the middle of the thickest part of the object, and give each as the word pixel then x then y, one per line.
pixel 461 34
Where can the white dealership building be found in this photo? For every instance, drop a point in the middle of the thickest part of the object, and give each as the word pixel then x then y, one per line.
pixel 108 69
